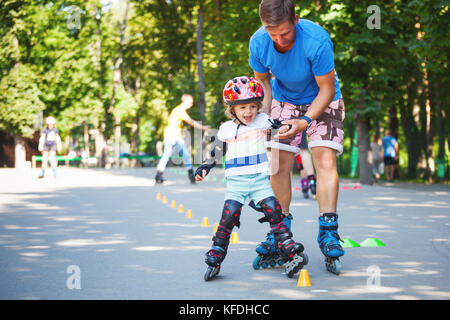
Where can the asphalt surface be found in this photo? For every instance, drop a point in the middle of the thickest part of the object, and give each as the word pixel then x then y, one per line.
pixel 103 234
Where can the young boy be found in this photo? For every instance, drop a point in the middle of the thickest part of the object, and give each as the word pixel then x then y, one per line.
pixel 242 140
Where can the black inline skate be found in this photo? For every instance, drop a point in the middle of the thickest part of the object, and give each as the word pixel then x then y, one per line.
pixel 159 177
pixel 213 258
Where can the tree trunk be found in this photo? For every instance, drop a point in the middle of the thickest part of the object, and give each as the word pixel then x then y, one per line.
pixel 100 127
pixel 86 139
pixel 117 78
pixel 365 168
pixel 430 101
pixel 410 128
pixel 19 152
pixel 201 77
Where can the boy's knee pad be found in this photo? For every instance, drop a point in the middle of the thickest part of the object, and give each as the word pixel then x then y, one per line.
pixel 272 211
pixel 231 214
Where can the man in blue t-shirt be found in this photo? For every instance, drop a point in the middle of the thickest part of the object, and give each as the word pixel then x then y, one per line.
pixel 390 154
pixel 305 93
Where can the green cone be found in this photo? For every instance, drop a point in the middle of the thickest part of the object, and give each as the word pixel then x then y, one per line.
pixel 372 242
pixel 348 243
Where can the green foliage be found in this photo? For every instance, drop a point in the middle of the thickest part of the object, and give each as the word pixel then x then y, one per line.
pixel 48 63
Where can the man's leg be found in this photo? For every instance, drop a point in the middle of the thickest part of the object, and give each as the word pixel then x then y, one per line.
pixel 165 157
pixel 280 180
pixel 324 159
pixel 186 159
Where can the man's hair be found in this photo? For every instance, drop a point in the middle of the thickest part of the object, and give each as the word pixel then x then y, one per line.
pixel 186 96
pixel 275 12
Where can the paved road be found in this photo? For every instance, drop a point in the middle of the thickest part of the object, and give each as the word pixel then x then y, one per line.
pixel 102 234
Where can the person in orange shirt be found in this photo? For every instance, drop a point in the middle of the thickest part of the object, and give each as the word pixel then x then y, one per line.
pixel 173 137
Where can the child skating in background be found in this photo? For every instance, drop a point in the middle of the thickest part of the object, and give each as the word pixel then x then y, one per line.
pixel 242 141
pixel 49 144
pixel 306 168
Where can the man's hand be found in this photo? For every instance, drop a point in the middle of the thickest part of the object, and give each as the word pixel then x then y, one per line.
pixel 297 125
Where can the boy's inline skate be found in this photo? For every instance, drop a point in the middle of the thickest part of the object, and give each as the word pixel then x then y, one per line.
pixel 328 239
pixel 267 251
pixel 214 258
pixel 279 244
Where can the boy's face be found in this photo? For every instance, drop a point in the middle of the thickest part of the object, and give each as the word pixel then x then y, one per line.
pixel 246 112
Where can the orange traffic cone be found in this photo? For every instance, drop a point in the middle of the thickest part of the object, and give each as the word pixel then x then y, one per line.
pixel 173 204
pixel 164 199
pixel 205 222
pixel 303 279
pixel 158 196
pixel 181 208
pixel 189 214
pixel 234 238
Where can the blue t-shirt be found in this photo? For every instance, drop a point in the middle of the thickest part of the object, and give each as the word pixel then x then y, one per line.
pixel 389 146
pixel 310 55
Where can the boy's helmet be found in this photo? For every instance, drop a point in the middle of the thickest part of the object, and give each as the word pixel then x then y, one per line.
pixel 242 90
pixel 50 120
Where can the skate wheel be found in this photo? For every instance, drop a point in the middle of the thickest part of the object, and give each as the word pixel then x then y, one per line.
pixel 265 265
pixel 333 265
pixel 280 262
pixel 272 263
pixel 297 263
pixel 211 272
pixel 257 263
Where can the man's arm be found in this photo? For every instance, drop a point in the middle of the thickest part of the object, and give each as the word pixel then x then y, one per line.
pixel 320 103
pixel 264 78
pixel 195 124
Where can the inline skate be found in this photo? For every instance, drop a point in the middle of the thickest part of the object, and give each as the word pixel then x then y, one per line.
pixel 280 249
pixel 214 258
pixel 305 188
pixel 312 185
pixel 159 177
pixel 328 240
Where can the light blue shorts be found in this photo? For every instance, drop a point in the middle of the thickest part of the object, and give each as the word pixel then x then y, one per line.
pixel 255 186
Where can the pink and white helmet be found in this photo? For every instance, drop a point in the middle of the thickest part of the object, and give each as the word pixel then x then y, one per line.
pixel 50 120
pixel 241 90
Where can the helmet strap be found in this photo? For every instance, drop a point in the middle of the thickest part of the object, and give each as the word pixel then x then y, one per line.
pixel 234 114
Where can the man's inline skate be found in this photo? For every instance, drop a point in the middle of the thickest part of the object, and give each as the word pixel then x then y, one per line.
pixel 159 177
pixel 328 239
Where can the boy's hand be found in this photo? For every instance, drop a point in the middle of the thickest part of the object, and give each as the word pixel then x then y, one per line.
pixel 284 128
pixel 203 171
pixel 200 178
pixel 296 125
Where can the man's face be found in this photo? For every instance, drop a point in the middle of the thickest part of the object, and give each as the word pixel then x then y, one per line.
pixel 283 35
